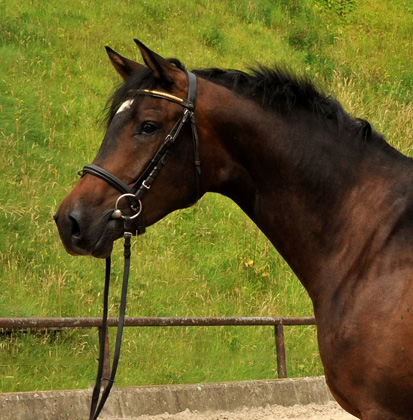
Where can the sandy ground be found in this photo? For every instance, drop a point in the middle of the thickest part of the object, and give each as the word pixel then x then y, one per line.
pixel 330 411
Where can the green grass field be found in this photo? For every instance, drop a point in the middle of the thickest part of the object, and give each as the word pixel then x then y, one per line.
pixel 209 260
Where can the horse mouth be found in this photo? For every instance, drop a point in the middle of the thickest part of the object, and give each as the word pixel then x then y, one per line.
pixel 103 247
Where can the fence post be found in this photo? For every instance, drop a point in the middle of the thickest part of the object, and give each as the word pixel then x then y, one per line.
pixel 280 349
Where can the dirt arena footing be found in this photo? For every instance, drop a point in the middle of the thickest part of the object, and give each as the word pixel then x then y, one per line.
pixel 152 400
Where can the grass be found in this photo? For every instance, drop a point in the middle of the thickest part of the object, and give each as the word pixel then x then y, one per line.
pixel 208 260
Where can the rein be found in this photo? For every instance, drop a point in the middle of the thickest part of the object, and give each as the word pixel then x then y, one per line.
pixel 134 195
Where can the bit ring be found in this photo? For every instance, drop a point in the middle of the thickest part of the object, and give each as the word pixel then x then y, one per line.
pixel 117 213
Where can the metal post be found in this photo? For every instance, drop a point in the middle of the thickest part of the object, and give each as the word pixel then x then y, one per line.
pixel 280 349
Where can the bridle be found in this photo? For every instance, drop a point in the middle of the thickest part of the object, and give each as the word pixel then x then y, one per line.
pixel 134 196
pixel 135 192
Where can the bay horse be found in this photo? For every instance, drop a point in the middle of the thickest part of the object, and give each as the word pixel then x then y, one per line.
pixel 332 196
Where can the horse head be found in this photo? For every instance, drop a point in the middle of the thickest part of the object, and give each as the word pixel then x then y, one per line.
pixel 150 125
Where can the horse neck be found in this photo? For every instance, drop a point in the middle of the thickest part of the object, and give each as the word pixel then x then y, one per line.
pixel 318 196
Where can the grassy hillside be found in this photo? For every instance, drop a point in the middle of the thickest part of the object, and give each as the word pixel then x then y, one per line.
pixel 208 260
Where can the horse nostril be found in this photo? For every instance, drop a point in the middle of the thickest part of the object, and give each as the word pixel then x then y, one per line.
pixel 75 228
pixel 73 225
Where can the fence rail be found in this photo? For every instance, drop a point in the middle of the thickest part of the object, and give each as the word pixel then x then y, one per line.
pixel 278 323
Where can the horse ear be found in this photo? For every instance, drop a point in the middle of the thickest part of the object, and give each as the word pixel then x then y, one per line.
pixel 123 66
pixel 161 67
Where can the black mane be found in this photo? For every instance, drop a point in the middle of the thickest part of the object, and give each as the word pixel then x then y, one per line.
pixel 274 88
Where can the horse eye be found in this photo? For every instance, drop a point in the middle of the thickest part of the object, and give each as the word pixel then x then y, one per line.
pixel 147 127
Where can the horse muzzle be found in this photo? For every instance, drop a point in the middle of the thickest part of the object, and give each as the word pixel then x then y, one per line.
pixel 83 234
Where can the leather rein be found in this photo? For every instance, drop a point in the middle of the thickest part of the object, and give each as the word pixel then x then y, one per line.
pixel 134 196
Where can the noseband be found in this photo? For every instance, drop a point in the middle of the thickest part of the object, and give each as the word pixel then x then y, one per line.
pixel 134 195
pixel 135 192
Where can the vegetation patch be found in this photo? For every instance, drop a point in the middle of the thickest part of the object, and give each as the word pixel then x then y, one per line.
pixel 209 260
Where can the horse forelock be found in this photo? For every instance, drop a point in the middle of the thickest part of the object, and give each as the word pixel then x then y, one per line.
pixel 128 90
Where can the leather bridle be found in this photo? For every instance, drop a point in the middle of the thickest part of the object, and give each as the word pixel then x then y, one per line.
pixel 135 192
pixel 134 195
